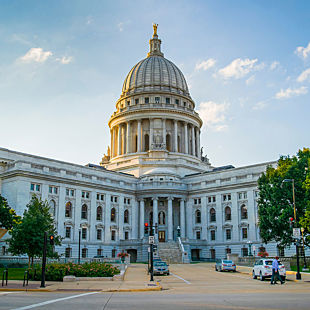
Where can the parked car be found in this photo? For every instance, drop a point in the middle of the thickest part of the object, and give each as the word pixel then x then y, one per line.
pixel 263 269
pixel 225 265
pixel 161 268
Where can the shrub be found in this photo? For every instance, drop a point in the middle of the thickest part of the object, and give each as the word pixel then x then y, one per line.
pixel 56 271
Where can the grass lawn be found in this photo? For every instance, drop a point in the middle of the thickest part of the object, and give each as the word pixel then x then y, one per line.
pixel 14 273
pixel 294 268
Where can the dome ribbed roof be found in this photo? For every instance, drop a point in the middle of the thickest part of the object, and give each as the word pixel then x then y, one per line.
pixel 155 73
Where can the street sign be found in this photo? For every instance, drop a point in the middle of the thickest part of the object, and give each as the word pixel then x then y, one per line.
pixel 151 240
pixel 296 233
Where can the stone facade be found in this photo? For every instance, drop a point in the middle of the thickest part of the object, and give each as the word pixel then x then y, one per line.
pixel 154 173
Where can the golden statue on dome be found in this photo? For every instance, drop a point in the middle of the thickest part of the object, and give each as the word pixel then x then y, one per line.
pixel 155 29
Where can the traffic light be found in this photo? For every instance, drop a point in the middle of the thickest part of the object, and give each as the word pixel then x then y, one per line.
pixel 146 228
pixel 291 221
pixel 52 240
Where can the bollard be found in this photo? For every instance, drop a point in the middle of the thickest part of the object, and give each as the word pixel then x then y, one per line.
pixel 5 277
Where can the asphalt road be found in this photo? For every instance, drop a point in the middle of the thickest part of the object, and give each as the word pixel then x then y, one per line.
pixel 195 286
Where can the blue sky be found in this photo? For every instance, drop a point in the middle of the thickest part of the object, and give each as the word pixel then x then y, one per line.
pixel 247 63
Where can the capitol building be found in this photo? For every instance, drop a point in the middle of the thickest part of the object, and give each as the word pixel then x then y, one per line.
pixel 154 172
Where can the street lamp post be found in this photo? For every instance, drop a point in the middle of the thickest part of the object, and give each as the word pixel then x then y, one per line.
pixel 298 275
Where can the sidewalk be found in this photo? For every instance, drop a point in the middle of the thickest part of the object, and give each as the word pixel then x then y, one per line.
pixel 135 280
pixel 290 275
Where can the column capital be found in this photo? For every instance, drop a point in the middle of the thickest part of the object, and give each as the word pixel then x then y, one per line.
pixel 154 198
pixel 170 198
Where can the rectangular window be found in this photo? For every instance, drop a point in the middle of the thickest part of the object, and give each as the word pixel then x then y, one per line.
pixel 214 198
pixel 68 252
pixel 177 101
pixel 199 200
pixel 209 200
pixel 99 234
pixel 184 103
pixel 55 190
pixel 85 195
pixel 168 100
pixel 113 235
pixel 137 101
pixel 195 201
pixel 244 233
pixel 68 232
pixel 146 100
pixel 244 251
pixel 128 103
pixel 115 199
pixel 84 252
pixel 32 187
pixel 228 234
pixel 37 187
pixel 212 235
pixel 126 235
pixel 84 233
pixel 198 235
pixel 114 253
pixel 67 192
pixel 157 99
pixel 99 252
pixel 50 189
pixel 111 198
pixel 72 192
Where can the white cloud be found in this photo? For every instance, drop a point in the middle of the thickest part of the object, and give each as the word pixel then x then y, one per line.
pixel 250 80
pixel 303 51
pixel 274 65
pixel 205 64
pixel 288 93
pixel 65 60
pixel 120 26
pixel 304 75
pixel 238 68
pixel 213 115
pixel 36 54
pixel 260 105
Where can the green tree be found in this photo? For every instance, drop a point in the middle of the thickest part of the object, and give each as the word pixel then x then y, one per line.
pixel 8 217
pixel 275 203
pixel 27 238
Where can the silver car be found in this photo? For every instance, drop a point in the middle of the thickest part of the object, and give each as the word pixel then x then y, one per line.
pixel 225 265
pixel 160 268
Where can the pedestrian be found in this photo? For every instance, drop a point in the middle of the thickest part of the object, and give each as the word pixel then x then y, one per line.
pixel 275 271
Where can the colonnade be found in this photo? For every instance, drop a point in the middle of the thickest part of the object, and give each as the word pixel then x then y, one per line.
pixel 129 137
pixel 170 225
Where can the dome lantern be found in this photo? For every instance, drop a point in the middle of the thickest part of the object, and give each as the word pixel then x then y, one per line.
pixel 155 44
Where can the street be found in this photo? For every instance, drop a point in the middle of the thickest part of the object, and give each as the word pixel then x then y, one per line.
pixel 194 286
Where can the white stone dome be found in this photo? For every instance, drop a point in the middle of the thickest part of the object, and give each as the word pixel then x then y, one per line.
pixel 155 74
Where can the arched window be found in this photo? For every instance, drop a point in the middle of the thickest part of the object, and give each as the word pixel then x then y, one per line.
pixel 52 205
pixel 168 143
pixel 227 214
pixel 244 212
pixel 126 216
pixel 99 213
pixel 68 212
pixel 113 215
pixel 161 218
pixel 212 215
pixel 146 142
pixel 198 217
pixel 84 212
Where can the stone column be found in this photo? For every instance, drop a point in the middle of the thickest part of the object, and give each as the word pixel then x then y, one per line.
pixel 182 218
pixel 107 219
pixel 164 132
pixel 92 217
pixel 134 217
pixel 204 217
pixel 121 218
pixel 114 142
pixel 193 141
pixel 111 134
pixel 175 135
pixel 185 138
pixel 251 216
pixel 139 136
pixel 119 149
pixel 170 222
pixel 128 138
pixel 155 214
pixel 151 134
pixel 141 218
pixel 198 142
pixel 189 220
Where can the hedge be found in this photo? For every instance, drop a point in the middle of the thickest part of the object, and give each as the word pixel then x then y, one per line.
pixel 56 271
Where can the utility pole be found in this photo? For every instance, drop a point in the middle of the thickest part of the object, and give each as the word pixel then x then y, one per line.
pixel 44 260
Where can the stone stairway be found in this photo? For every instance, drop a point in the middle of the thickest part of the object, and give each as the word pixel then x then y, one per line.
pixel 169 252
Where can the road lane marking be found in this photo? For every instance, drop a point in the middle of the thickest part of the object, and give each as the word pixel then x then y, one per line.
pixel 53 300
pixel 3 293
pixel 187 282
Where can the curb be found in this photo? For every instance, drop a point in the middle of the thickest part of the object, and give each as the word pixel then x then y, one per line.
pixel 25 290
